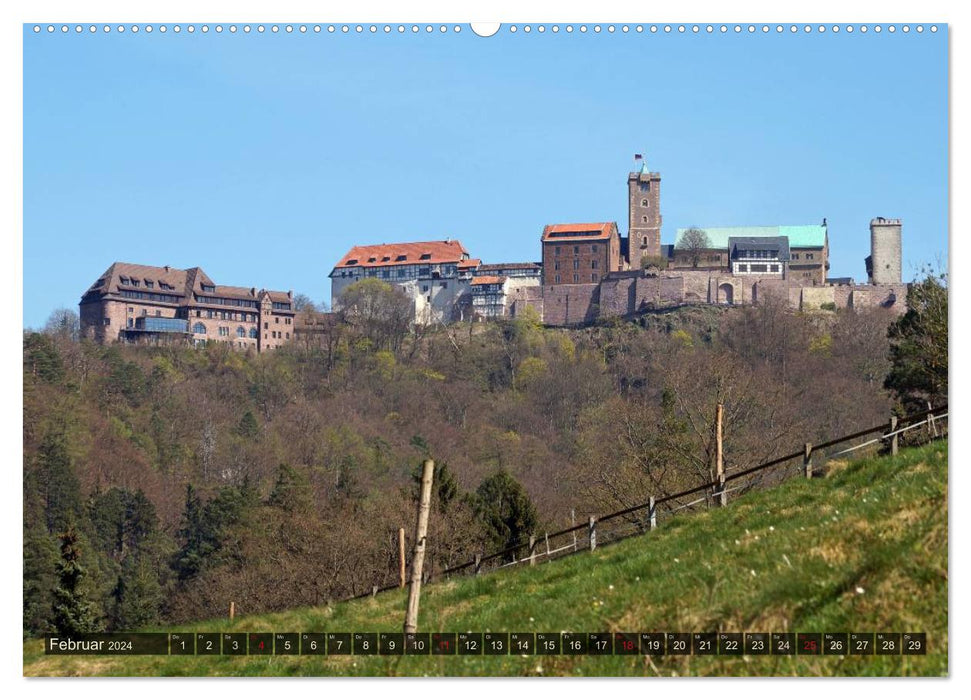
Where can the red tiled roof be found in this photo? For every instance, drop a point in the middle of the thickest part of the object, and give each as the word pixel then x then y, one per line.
pixel 470 263
pixel 424 253
pixel 488 279
pixel 572 232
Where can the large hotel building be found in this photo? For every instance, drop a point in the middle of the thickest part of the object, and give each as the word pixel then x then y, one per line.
pixel 141 303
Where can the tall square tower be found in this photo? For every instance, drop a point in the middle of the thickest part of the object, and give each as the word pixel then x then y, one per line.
pixel 644 211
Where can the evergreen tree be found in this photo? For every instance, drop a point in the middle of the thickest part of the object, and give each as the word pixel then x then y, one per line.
pixel 291 492
pixel 137 595
pixel 918 346
pixel 62 500
pixel 41 358
pixel 72 612
pixel 248 427
pixel 505 510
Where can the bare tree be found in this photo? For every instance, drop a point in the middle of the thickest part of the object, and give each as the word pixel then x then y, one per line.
pixel 694 241
pixel 64 324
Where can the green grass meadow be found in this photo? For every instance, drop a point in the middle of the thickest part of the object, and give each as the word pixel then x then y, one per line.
pixel 864 549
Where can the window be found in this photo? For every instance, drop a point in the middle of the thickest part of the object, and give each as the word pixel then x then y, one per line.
pixel 593 277
pixel 556 250
pixel 266 324
pixel 254 333
pixel 576 264
pixel 773 268
pixel 289 320
pixel 576 277
pixel 644 219
pixel 556 279
pixel 208 288
pixel 795 256
pixel 424 288
pixel 644 242
pixel 199 328
pixel 276 319
pixel 576 250
pixel 134 282
pixel 240 332
pixel 593 249
pixel 224 331
pixel 131 310
pixel 131 323
pixel 288 336
pixel 593 264
pixel 556 265
pixel 443 285
pixel 643 202
pixel 809 256
pixel 157 312
pixel 149 284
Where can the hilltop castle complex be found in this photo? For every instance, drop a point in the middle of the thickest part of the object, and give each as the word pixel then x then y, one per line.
pixel 588 272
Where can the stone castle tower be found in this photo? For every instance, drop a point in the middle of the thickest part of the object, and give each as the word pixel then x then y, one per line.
pixel 883 265
pixel 644 223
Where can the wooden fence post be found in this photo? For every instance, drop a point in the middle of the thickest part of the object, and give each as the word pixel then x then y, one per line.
pixel 930 421
pixel 719 458
pixel 894 442
pixel 546 536
pixel 374 591
pixel 532 550
pixel 573 523
pixel 592 528
pixel 652 513
pixel 402 577
pixel 418 559
pixel 478 564
pixel 807 460
pixel 232 610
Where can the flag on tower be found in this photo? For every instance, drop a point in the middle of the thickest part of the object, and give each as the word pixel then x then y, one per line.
pixel 638 156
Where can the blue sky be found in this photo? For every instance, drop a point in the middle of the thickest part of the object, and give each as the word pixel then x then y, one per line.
pixel 263 158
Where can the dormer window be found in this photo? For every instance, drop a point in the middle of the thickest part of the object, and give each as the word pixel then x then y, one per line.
pixel 426 256
pixel 352 261
pixel 401 258
pixel 372 259
pixel 208 288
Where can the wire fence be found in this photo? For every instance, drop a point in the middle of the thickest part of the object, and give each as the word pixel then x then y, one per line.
pixel 636 520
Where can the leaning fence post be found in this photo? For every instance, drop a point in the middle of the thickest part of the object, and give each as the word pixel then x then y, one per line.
pixel 374 591
pixel 592 527
pixel 652 513
pixel 532 550
pixel 418 559
pixel 807 460
pixel 478 564
pixel 930 420
pixel 894 442
pixel 719 457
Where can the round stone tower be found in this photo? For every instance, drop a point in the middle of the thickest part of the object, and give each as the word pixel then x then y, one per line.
pixel 884 263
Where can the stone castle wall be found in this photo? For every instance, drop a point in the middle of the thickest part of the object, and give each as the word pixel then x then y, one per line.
pixel 625 293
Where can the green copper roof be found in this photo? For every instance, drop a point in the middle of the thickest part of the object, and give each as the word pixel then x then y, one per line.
pixel 811 236
pixel 644 169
